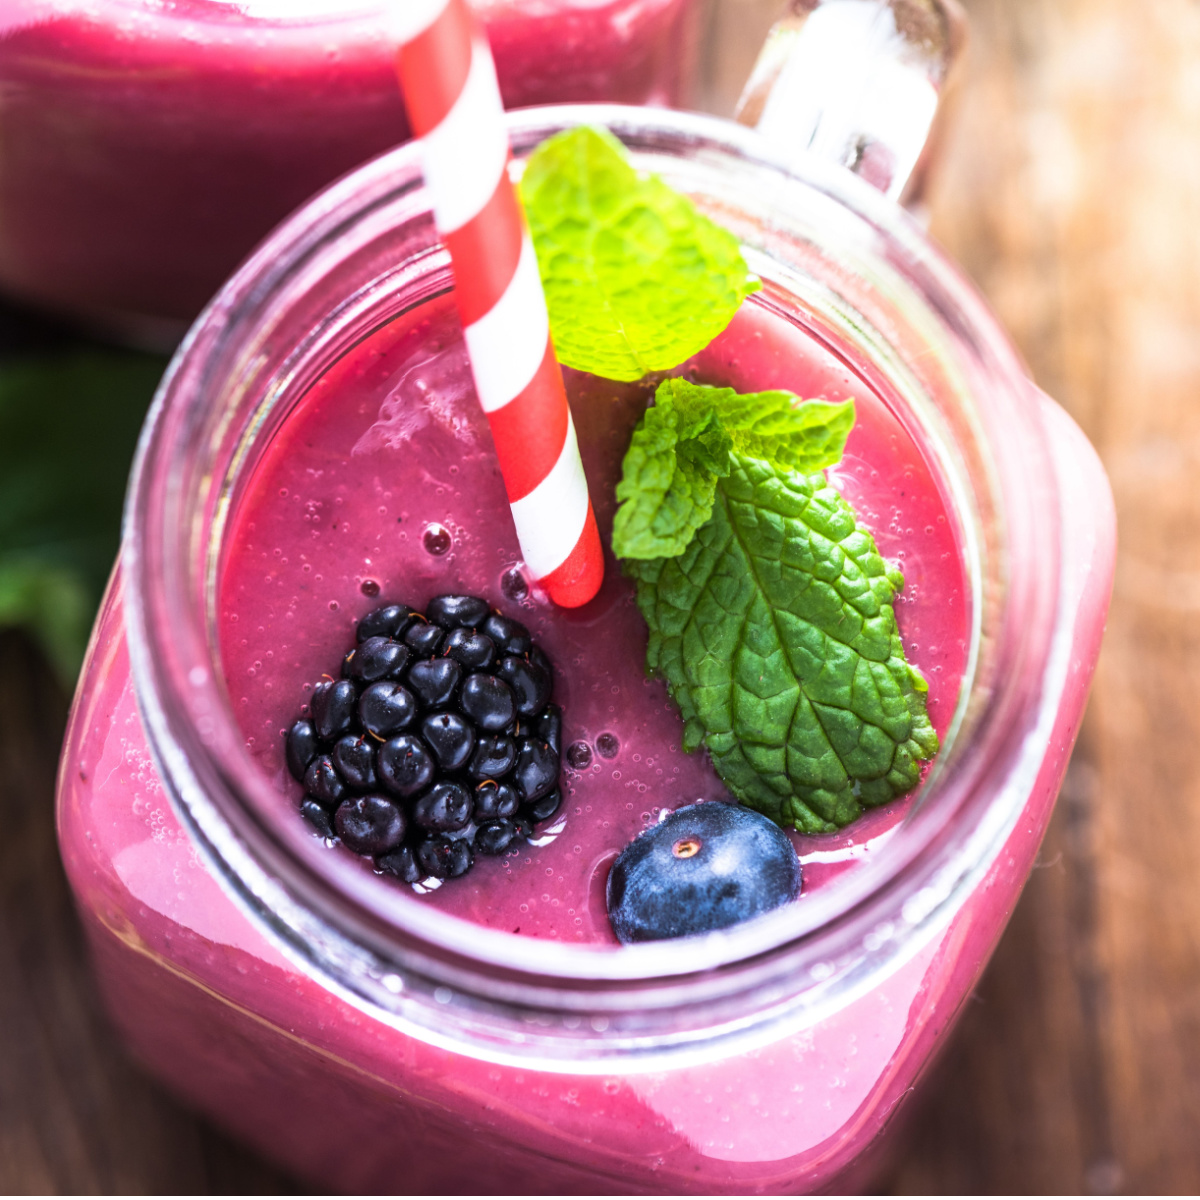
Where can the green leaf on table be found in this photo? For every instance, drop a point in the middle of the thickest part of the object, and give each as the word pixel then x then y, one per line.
pixel 636 278
pixel 769 606
pixel 69 423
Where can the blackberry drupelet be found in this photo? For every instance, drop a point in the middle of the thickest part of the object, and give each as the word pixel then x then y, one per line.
pixel 438 742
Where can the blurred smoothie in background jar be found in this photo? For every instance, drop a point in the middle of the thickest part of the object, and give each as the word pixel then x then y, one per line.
pixel 147 145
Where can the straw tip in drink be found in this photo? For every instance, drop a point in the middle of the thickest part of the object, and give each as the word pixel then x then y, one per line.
pixel 578 579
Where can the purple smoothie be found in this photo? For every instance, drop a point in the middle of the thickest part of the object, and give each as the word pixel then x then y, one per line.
pixel 383 486
pixel 146 147
pixel 354 1104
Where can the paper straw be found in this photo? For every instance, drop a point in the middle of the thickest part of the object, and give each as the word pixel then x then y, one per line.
pixel 449 82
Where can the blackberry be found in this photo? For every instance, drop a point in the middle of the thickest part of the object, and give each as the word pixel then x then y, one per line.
pixel 493 757
pixel 423 637
pixel 370 824
pixel 333 706
pixel 451 738
pixel 386 708
pixel 438 742
pixel 529 682
pixel 301 748
pixel 445 808
pixel 389 621
pixel 475 651
pixel 377 658
pixel 495 837
pixel 495 801
pixel 434 680
pixel 405 765
pixel 489 702
pixel 354 760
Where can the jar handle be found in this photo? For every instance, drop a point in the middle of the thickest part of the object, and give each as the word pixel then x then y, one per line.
pixel 860 83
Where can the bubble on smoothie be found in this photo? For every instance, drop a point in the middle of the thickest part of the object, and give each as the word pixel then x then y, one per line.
pixel 436 539
pixel 429 387
pixel 514 584
pixel 607 745
pixel 369 587
pixel 579 755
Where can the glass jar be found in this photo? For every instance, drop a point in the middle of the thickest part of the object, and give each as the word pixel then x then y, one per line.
pixel 369 1043
pixel 147 145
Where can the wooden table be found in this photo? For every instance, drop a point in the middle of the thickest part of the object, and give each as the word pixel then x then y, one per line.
pixel 1071 193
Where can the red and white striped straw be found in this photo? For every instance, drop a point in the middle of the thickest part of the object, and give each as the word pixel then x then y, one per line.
pixel 449 82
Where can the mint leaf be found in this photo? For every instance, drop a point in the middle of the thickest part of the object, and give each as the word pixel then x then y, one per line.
pixel 69 421
pixel 636 279
pixel 682 447
pixel 775 632
pixel 669 480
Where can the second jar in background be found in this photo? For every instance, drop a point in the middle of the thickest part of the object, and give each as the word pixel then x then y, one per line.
pixel 146 145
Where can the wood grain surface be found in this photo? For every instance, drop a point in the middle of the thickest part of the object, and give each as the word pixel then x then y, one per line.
pixel 1070 192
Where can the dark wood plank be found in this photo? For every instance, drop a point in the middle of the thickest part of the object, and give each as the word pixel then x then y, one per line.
pixel 1071 193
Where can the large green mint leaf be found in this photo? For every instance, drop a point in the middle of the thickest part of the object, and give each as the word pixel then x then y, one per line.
pixel 776 634
pixel 681 448
pixel 636 279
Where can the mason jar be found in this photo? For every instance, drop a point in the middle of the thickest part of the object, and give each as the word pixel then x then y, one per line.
pixel 368 1041
pixel 147 145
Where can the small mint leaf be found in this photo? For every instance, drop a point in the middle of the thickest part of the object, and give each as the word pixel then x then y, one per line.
pixel 636 279
pixel 776 427
pixel 669 478
pixel 777 637
pixel 681 448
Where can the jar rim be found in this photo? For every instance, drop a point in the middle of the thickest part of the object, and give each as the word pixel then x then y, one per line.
pixel 196 744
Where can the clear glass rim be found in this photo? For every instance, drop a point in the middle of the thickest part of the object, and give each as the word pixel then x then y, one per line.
pixel 274 872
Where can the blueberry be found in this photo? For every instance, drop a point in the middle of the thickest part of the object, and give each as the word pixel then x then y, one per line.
pixel 405 765
pixel 451 738
pixel 544 807
pixel 434 681
pixel 354 757
pixel 377 658
pixel 476 651
pixel 536 772
pixel 386 708
pixel 549 727
pixel 493 757
pixel 488 701
pixel 495 837
pixel 402 863
pixel 317 816
pixel 444 859
pixel 370 824
pixel 456 612
pixel 445 808
pixel 495 801
pixel 323 781
pixel 510 637
pixel 530 684
pixel 390 621
pixel 300 748
pixel 333 707
pixel 706 866
pixel 423 637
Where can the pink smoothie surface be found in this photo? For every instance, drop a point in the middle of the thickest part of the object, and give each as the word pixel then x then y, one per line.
pixel 389 457
pixel 146 147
